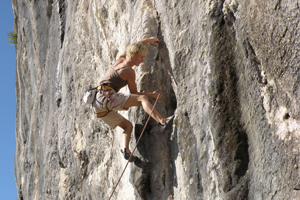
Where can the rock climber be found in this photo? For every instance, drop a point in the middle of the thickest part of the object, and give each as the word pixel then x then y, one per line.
pixel 118 76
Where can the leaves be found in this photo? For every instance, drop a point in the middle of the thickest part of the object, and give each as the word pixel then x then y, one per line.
pixel 12 37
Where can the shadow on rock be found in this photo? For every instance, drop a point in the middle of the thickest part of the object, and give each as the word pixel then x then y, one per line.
pixel 139 163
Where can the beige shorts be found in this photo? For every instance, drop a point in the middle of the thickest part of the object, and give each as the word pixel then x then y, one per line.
pixel 112 118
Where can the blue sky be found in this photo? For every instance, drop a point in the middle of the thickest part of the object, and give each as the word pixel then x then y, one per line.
pixel 8 189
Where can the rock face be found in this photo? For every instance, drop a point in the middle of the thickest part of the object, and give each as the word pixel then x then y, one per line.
pixel 230 73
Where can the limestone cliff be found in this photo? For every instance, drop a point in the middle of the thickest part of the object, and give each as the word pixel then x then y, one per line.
pixel 230 73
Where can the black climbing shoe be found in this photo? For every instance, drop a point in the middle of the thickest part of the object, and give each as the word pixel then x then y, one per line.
pixel 168 122
pixel 127 156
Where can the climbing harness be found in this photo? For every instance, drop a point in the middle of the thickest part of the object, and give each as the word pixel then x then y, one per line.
pixel 106 91
pixel 136 143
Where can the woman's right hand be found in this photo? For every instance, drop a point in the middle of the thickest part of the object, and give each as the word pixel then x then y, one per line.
pixel 153 41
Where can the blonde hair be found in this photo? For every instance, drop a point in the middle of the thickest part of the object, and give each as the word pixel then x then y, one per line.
pixel 134 49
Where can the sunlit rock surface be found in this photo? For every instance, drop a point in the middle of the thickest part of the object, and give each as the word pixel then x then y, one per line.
pixel 230 73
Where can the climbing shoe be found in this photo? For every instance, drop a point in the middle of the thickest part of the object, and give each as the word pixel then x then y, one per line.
pixel 168 122
pixel 127 155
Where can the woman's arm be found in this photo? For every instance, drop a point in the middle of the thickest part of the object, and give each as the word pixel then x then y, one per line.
pixel 132 86
pixel 130 73
pixel 154 94
pixel 151 40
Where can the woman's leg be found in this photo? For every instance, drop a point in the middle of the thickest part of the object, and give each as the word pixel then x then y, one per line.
pixel 127 127
pixel 142 100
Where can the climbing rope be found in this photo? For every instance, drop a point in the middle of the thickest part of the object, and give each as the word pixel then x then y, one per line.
pixel 136 143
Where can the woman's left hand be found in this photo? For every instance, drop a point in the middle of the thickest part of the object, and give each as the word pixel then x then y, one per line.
pixel 156 93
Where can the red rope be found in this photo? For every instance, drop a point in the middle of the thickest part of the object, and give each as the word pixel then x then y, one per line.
pixel 135 145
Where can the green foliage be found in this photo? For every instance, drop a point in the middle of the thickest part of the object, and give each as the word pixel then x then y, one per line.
pixel 12 37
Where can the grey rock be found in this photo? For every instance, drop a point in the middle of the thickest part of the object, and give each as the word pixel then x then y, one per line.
pixel 229 71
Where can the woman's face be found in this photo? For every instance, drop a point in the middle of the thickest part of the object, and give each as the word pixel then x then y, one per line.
pixel 137 59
